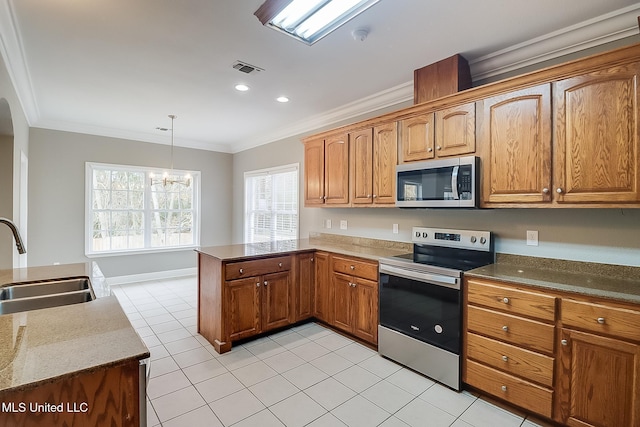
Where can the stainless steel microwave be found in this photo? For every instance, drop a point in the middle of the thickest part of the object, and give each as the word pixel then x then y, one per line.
pixel 446 183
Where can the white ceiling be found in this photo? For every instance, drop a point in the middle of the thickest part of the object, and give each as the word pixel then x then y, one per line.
pixel 119 67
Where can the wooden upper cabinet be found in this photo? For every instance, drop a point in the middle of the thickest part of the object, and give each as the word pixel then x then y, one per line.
pixel 514 143
pixel 336 170
pixel 385 159
pixel 596 137
pixel 417 137
pixel 314 172
pixel 361 145
pixel 456 130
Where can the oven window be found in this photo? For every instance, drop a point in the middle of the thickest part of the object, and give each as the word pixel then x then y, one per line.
pixel 424 311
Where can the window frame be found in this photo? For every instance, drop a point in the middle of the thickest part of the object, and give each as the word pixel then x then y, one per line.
pixel 270 171
pixel 148 171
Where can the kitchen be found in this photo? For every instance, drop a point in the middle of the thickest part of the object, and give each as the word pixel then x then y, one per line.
pixel 593 235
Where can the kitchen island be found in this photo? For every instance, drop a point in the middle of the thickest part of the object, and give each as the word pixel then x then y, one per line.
pixel 72 365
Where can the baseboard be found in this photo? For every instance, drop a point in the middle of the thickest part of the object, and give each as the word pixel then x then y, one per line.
pixel 156 275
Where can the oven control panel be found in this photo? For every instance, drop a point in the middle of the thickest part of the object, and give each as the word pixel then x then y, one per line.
pixel 468 239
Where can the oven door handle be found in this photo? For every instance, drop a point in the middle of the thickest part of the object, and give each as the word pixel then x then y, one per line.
pixel 436 279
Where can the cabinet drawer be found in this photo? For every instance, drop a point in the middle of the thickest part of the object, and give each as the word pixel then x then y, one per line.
pixel 512 300
pixel 512 329
pixel 258 267
pixel 603 319
pixel 366 270
pixel 514 390
pixel 514 360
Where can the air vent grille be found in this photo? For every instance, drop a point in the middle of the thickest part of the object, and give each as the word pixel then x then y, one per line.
pixel 246 68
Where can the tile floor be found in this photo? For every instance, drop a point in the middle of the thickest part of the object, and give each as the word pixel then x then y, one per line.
pixel 304 376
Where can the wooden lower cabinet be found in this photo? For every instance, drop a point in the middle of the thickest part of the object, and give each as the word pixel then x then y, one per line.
pixel 306 285
pixel 322 306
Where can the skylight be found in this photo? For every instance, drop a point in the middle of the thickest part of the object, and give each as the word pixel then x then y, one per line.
pixel 310 20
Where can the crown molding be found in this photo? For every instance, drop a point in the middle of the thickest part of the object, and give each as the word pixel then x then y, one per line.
pixel 602 29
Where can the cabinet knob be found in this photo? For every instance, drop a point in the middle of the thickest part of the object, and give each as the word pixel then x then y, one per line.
pixel 505 359
pixel 311 259
pixel 368 195
pixel 241 271
pixel 601 320
pixel 350 284
pixel 564 342
pixel 559 190
pixel 429 149
pixel 545 190
pixel 375 196
pixel 504 388
pixel 505 328
pixel 279 264
pixel 353 284
pixel 353 267
pixel 438 148
pixel 258 285
pixel 505 300
pixel 266 283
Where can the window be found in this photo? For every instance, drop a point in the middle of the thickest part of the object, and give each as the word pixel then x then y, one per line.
pixel 271 204
pixel 130 211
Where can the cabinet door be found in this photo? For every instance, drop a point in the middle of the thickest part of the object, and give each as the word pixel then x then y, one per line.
pixel 322 294
pixel 365 306
pixel 306 284
pixel 314 173
pixel 342 300
pixel 276 300
pixel 385 159
pixel 596 143
pixel 515 146
pixel 336 170
pixel 456 130
pixel 361 146
pixel 417 134
pixel 243 302
pixel 599 385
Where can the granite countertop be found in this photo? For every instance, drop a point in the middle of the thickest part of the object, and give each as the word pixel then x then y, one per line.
pixel 589 279
pixel 41 346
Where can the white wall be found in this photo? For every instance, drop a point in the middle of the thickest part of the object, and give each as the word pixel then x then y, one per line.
pixel 6 197
pixel 57 193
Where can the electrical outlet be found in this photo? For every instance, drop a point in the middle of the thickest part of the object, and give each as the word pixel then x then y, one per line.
pixel 532 237
pixel 327 223
pixel 343 224
pixel 395 228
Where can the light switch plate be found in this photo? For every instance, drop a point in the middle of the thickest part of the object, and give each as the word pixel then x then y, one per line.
pixel 343 224
pixel 532 237
pixel 395 228
pixel 327 223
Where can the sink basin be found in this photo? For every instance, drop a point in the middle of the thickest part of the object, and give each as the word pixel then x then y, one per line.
pixel 41 288
pixel 34 303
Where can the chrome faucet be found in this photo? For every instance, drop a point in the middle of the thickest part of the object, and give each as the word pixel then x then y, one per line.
pixel 16 235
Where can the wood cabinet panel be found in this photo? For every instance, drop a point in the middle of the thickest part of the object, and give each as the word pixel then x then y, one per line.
pixel 352 266
pixel 306 285
pixel 600 381
pixel 456 130
pixel 361 146
pixel 314 173
pixel 243 307
pixel 514 329
pixel 518 361
pixel 596 136
pixel 385 159
pixel 510 388
pixel 342 302
pixel 512 300
pixel 336 170
pixel 276 301
pixel 258 267
pixel 418 137
pixel 365 318
pixel 601 319
pixel 322 308
pixel 515 146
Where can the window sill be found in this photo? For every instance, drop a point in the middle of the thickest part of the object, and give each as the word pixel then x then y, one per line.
pixel 145 251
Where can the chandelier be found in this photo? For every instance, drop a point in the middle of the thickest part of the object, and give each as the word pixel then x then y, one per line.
pixel 169 177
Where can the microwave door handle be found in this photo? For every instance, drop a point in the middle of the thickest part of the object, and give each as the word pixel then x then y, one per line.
pixel 454 183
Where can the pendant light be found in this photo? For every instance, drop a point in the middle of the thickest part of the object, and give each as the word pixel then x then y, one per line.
pixel 169 177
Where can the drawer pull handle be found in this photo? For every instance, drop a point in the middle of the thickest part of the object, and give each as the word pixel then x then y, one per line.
pixel 564 342
pixel 505 300
pixel 279 264
pixel 601 320
pixel 241 271
pixel 504 388
pixel 505 328
pixel 505 359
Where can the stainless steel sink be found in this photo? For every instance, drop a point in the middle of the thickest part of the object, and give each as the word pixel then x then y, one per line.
pixel 25 296
pixel 41 288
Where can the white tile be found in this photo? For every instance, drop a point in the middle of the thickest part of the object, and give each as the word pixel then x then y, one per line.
pixel 189 321
pixel 388 396
pixel 330 393
pixel 309 351
pixel 154 312
pixel 167 383
pixel 327 420
pixel 410 381
pixel 284 361
pixel 291 340
pixel 236 407
pixel 265 348
pixel 192 357
pixel 177 403
pixel 175 335
pixel 144 331
pixel 163 366
pixel 183 314
pixel 152 417
pixel 134 316
pixel 314 331
pixel 254 373
pixel 535 422
pixel 218 387
pixel 484 414
pixel 263 418
pixel 333 341
pixel 138 323
pixel 237 358
pixel 179 306
pixel 273 390
pixel 394 422
pixel 460 423
pixel 331 363
pixel 380 366
pixel 166 326
pixel 182 345
pixel 159 319
pixel 297 410
pixel 355 353
pixel 357 378
pixel 204 371
pixel 417 411
pixel 359 412
pixel 447 399
pixel 305 376
pixel 201 417
pixel 151 341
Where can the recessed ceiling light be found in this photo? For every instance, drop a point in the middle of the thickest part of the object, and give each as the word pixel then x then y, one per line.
pixel 282 99
pixel 242 88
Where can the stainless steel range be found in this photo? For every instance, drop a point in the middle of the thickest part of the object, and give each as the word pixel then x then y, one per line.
pixel 420 300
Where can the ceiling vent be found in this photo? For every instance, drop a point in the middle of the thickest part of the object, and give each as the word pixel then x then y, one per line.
pixel 246 68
